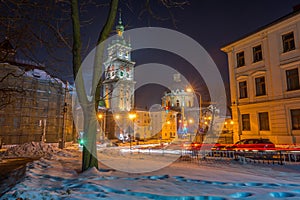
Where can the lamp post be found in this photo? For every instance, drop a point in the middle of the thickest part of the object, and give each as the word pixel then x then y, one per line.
pixel 100 117
pixel 132 116
pixel 65 109
pixel 200 103
pixel 190 122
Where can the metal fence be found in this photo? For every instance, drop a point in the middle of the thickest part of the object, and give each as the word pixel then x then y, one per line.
pixel 279 157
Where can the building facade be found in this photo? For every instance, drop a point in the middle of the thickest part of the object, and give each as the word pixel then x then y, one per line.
pixel 34 106
pixel 264 71
pixel 182 99
pixel 119 74
pixel 118 87
pixel 122 119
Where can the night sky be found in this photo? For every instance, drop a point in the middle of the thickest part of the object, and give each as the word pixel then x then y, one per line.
pixel 212 23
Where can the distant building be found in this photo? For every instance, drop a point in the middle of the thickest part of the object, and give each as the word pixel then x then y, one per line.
pixel 178 97
pixel 182 100
pixel 122 120
pixel 34 106
pixel 168 125
pixel 118 87
pixel 264 82
pixel 156 125
pixel 119 74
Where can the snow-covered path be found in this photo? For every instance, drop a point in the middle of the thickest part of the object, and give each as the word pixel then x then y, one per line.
pixel 58 178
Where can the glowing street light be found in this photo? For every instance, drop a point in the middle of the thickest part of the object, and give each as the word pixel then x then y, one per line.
pixel 200 103
pixel 132 116
pixel 100 116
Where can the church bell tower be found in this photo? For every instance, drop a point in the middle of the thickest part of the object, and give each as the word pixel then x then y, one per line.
pixel 118 85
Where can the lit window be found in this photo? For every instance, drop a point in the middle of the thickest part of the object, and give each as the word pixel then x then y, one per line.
pixel 288 42
pixel 257 53
pixel 260 85
pixel 243 89
pixel 263 121
pixel 295 115
pixel 240 59
pixel 292 79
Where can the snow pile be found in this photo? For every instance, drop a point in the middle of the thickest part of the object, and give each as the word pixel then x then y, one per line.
pixel 32 149
pixel 58 178
pixel 41 74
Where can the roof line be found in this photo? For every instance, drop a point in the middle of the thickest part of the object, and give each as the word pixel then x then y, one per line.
pixel 290 15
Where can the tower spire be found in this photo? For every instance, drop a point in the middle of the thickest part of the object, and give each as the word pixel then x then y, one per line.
pixel 120 27
pixel 120 16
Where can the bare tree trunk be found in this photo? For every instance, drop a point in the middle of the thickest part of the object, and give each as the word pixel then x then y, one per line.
pixel 76 50
pixel 104 34
pixel 89 154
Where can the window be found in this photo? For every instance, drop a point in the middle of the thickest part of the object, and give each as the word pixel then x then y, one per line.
pixel 292 79
pixel 245 122
pixel 240 59
pixel 263 121
pixel 260 86
pixel 177 103
pixel 288 42
pixel 243 89
pixel 257 53
pixel 295 115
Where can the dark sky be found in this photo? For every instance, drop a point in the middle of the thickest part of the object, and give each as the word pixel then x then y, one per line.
pixel 213 23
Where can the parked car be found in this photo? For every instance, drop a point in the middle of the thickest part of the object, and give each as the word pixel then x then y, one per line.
pixel 190 146
pixel 251 144
pixel 196 146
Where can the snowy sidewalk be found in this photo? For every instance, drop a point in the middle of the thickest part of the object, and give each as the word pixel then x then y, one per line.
pixel 58 178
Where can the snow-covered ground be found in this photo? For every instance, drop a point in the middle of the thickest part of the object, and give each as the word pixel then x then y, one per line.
pixel 57 176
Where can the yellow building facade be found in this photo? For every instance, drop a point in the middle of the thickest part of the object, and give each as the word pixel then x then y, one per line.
pixel 264 71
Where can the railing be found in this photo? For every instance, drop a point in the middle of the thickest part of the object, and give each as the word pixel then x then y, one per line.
pixel 280 157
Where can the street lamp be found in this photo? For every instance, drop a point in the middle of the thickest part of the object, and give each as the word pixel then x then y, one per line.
pixel 200 103
pixel 102 128
pixel 132 116
pixel 100 116
pixel 191 121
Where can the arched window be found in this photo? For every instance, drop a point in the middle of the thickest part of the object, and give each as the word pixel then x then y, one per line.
pixel 177 103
